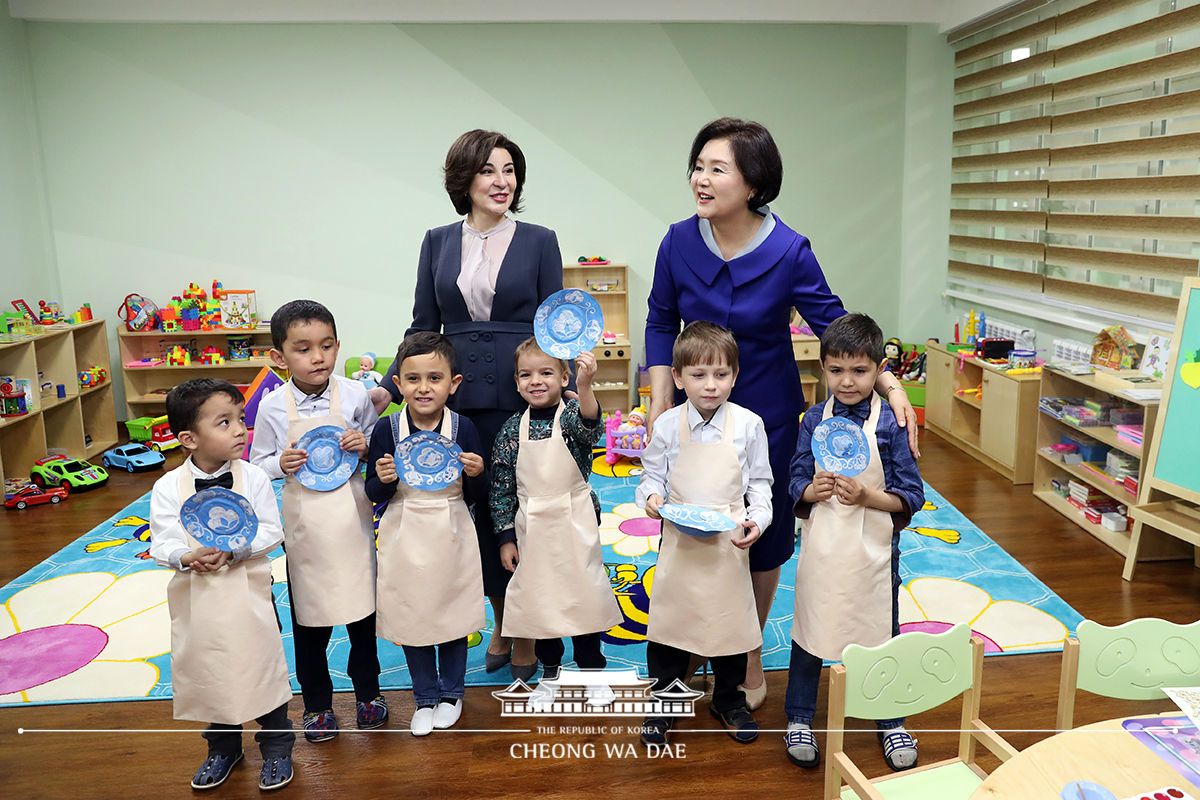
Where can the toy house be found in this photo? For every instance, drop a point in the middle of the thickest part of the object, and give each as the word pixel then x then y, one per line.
pixel 1114 348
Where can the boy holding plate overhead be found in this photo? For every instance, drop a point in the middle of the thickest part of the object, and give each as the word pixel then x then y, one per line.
pixel 712 454
pixel 856 486
pixel 313 430
pixel 426 463
pixel 227 662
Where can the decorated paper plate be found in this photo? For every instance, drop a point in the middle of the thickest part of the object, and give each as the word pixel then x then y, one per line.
pixel 217 517
pixel 840 446
pixel 428 460
pixel 328 465
pixel 696 520
pixel 567 323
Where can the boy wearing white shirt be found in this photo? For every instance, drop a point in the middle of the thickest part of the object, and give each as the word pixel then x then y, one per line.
pixel 713 454
pixel 227 662
pixel 329 535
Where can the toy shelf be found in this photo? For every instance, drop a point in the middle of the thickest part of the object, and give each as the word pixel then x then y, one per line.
pixel 1155 546
pixel 141 382
pixel 999 426
pixel 82 424
pixel 613 361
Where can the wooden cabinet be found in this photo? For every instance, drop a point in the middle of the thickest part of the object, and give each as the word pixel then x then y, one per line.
pixel 83 423
pixel 983 411
pixel 146 387
pixel 1154 546
pixel 609 284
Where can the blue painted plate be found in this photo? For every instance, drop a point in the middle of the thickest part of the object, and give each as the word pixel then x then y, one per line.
pixel 428 460
pixel 696 520
pixel 217 517
pixel 840 446
pixel 328 465
pixel 567 323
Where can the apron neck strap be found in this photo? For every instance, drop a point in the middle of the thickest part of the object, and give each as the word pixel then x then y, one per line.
pixel 685 428
pixel 524 427
pixel 187 479
pixel 289 398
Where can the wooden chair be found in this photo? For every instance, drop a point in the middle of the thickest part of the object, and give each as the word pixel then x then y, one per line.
pixel 1133 661
pixel 907 675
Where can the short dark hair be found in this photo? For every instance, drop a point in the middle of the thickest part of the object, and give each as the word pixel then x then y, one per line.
pixel 468 155
pixel 703 342
pixel 755 152
pixel 853 335
pixel 289 314
pixel 423 343
pixel 185 400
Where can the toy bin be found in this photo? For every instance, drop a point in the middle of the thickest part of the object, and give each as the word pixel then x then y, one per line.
pixel 1089 449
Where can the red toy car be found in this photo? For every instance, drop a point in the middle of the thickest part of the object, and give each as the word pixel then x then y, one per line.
pixel 32 496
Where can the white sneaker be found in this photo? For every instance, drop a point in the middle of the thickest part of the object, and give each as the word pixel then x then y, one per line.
pixel 446 714
pixel 422 722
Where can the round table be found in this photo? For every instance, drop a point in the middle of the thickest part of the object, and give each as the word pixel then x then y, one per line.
pixel 1103 753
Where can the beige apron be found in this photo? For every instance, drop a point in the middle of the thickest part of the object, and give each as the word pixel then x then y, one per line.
pixel 844 571
pixel 227 662
pixel 329 536
pixel 560 587
pixel 430 587
pixel 702 600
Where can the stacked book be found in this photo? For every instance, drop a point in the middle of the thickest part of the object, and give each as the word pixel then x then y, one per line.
pixel 1054 405
pixel 1084 417
pixel 1090 501
pixel 1120 465
pixel 1130 434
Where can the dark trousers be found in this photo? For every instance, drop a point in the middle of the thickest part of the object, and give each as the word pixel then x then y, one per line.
pixel 668 664
pixel 438 672
pixel 587 651
pixel 488 423
pixel 275 740
pixel 312 663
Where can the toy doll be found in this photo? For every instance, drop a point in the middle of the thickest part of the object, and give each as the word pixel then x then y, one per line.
pixel 892 349
pixel 366 371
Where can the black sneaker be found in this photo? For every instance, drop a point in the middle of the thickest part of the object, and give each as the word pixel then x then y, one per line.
pixel 738 723
pixel 655 730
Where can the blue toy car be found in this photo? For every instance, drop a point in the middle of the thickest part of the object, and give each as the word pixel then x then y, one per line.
pixel 133 458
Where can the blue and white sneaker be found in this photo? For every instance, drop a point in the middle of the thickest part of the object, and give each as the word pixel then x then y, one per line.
pixel 899 749
pixel 214 771
pixel 802 745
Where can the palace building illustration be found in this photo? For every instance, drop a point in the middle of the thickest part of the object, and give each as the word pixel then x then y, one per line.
pixel 603 693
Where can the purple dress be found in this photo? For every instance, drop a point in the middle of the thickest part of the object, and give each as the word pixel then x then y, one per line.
pixel 753 296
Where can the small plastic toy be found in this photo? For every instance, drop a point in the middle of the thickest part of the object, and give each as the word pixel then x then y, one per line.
pixel 179 356
pixel 608 337
pixel 31 495
pixel 155 432
pixel 84 314
pixel 586 261
pixel 139 313
pixel 92 377
pixel 68 473
pixel 624 439
pixel 133 457
pixel 366 371
pixel 12 401
pixel 49 313
pixel 212 355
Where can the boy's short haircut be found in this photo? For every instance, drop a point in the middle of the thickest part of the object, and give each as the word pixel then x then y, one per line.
pixel 423 343
pixel 853 335
pixel 185 400
pixel 703 342
pixel 289 314
pixel 530 345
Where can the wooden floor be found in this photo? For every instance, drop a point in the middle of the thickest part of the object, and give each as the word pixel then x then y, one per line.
pixel 1019 691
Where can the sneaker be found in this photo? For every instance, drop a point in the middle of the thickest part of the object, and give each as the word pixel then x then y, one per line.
pixel 214 771
pixel 372 714
pixel 802 745
pixel 738 723
pixel 276 773
pixel 320 726
pixel 655 730
pixel 899 749
pixel 550 672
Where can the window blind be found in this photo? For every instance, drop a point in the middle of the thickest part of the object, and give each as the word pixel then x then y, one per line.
pixel 1076 164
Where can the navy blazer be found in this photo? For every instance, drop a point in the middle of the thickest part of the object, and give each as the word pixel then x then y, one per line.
pixel 531 272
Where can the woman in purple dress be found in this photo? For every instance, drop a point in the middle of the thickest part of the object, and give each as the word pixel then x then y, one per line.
pixel 735 263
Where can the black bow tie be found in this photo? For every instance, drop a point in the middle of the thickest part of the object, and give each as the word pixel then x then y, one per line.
pixel 224 481
pixel 858 410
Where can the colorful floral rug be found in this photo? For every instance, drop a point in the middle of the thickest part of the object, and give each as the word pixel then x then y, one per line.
pixel 91 624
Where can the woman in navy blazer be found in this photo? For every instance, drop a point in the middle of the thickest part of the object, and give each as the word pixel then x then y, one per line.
pixel 736 264
pixel 484 174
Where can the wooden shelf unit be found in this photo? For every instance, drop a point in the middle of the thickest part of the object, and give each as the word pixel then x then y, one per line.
pixel 140 382
pixel 1051 430
pixel 53 423
pixel 613 383
pixel 999 428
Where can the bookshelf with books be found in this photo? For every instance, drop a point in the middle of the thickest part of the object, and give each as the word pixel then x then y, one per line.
pixel 1090 444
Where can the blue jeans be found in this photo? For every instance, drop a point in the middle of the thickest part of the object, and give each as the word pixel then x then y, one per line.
pixel 804 669
pixel 437 671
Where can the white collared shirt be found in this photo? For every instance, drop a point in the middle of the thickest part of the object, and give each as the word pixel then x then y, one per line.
pixel 749 437
pixel 271 422
pixel 764 230
pixel 168 540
